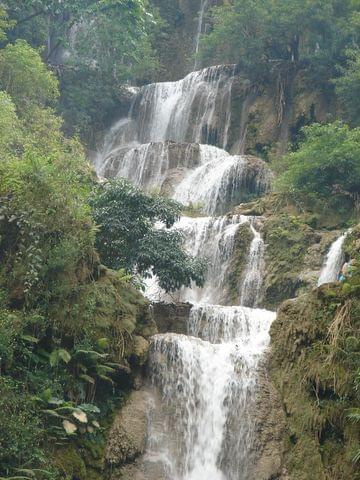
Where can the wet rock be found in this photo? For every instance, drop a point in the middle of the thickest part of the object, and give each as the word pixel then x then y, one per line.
pixel 140 350
pixel 171 317
pixel 269 418
pixel 127 438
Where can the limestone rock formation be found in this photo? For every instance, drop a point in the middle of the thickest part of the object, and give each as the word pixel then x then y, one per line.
pixel 171 317
pixel 269 418
pixel 127 437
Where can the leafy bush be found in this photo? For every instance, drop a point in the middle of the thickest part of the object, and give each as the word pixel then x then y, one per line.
pixel 21 429
pixel 348 86
pixel 268 38
pixel 326 165
pixel 9 126
pixel 25 77
pixel 127 237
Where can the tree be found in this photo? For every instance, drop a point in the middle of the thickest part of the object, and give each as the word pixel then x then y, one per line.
pixel 327 164
pixel 128 238
pixel 95 47
pixel 9 126
pixel 5 24
pixel 267 38
pixel 25 77
pixel 55 18
pixel 348 87
pixel 108 51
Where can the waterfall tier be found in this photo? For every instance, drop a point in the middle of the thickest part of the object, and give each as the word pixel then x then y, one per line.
pixel 202 175
pixel 251 288
pixel 213 239
pixel 207 381
pixel 195 109
pixel 333 263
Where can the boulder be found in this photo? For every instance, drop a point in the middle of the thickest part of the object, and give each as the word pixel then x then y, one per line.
pixel 127 437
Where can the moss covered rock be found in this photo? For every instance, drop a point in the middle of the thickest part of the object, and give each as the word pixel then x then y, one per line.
pixel 127 438
pixel 314 367
pixel 239 261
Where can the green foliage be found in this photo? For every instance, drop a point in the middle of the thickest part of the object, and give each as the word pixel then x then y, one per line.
pixel 9 126
pixel 56 362
pixel 287 238
pixel 127 236
pixel 327 165
pixel 95 47
pixel 106 54
pixel 282 36
pixel 25 77
pixel 315 368
pixel 348 86
pixel 5 23
pixel 21 431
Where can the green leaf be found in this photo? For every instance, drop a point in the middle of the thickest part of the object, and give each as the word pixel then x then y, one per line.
pixel 87 378
pixel 106 379
pixel 29 339
pixel 89 408
pixel 57 355
pixel 52 413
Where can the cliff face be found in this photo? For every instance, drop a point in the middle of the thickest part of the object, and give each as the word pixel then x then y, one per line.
pixel 177 43
pixel 263 125
pixel 316 383
pixel 296 244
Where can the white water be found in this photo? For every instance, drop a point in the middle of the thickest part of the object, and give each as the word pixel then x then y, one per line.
pixel 193 110
pixel 221 182
pixel 205 176
pixel 203 427
pixel 147 166
pixel 333 263
pixel 212 185
pixel 203 8
pixel 210 238
pixel 250 292
pixel 207 380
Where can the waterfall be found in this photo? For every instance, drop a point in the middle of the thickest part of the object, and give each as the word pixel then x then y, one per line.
pixel 201 424
pixel 223 181
pixel 193 110
pixel 203 7
pixel 210 238
pixel 207 380
pixel 334 261
pixel 250 292
pixel 201 175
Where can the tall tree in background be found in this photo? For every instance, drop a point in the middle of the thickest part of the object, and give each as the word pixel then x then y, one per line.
pixel 267 38
pixel 95 46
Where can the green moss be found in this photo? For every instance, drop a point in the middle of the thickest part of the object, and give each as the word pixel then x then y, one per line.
pixel 107 307
pixel 83 459
pixel 314 367
pixel 70 464
pixel 287 238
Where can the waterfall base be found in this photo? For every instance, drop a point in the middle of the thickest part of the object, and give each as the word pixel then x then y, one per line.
pixel 206 395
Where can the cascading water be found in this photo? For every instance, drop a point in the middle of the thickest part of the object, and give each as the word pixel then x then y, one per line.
pixel 207 382
pixel 250 292
pixel 203 7
pixel 333 263
pixel 215 184
pixel 203 425
pixel 204 176
pixel 194 110
pixel 210 238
